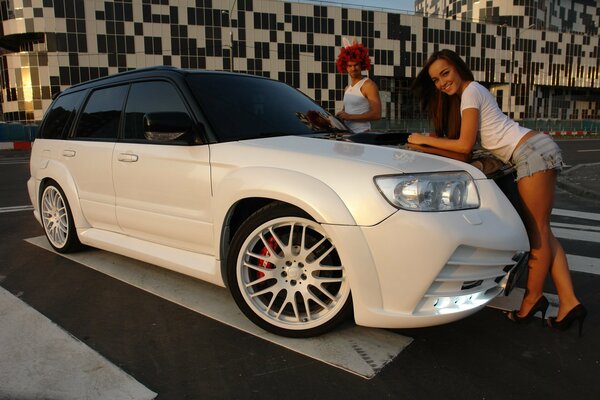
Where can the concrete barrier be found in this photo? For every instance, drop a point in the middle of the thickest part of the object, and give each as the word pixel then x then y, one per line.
pixel 569 133
pixel 18 145
pixel 14 136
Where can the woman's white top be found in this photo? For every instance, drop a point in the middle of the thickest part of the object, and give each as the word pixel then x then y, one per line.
pixel 499 134
pixel 356 103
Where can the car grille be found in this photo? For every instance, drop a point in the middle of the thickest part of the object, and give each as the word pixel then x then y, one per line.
pixel 471 278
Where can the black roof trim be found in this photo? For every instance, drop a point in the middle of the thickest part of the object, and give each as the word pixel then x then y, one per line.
pixel 152 71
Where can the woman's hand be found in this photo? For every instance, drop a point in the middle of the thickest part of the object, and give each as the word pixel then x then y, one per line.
pixel 417 138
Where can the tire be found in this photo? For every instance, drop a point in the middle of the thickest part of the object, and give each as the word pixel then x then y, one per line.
pixel 294 288
pixel 57 219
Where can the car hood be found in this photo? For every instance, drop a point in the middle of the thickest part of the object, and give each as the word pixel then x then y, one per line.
pixel 347 168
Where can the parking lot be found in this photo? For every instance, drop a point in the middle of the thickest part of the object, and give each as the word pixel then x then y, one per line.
pixel 153 333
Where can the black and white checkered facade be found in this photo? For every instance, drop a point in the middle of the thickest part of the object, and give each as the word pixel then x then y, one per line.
pixel 48 45
pixel 582 16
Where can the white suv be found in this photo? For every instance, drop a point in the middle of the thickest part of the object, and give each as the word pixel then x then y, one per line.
pixel 245 182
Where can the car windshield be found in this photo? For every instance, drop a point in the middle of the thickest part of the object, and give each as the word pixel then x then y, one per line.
pixel 242 107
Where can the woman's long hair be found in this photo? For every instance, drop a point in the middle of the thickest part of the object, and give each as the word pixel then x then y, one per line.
pixel 442 109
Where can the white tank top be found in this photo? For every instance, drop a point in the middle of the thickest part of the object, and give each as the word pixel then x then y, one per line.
pixel 356 103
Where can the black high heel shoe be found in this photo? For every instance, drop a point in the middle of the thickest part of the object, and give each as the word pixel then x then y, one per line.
pixel 577 313
pixel 541 305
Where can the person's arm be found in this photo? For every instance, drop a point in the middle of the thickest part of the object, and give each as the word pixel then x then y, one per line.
pixel 371 92
pixel 343 110
pixel 469 126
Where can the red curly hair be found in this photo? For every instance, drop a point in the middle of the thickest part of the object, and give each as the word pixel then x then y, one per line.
pixel 356 53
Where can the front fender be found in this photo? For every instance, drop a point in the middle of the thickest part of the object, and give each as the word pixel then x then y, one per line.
pixel 301 190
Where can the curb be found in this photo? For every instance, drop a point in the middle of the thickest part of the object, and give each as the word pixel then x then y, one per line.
pixel 565 183
pixel 577 190
pixel 17 145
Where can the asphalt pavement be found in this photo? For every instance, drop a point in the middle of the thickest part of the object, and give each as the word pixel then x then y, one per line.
pixel 582 180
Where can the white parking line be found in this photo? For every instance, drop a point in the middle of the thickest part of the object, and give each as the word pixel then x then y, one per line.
pixel 575 226
pixel 41 361
pixel 576 214
pixel 513 302
pixel 361 351
pixel 576 234
pixel 13 161
pixel 577 263
pixel 589 265
pixel 15 209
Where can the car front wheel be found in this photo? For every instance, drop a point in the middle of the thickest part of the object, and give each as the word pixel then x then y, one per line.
pixel 57 219
pixel 285 273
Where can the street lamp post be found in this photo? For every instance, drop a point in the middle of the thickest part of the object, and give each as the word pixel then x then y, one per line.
pixel 512 74
pixel 231 34
pixel 230 50
pixel 229 13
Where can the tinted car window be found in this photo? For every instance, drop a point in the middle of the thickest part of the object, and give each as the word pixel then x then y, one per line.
pixel 142 101
pixel 101 115
pixel 61 116
pixel 240 107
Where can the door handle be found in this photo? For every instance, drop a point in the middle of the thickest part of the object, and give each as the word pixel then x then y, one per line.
pixel 126 157
pixel 68 153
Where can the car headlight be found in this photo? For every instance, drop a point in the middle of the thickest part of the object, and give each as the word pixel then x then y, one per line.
pixel 436 191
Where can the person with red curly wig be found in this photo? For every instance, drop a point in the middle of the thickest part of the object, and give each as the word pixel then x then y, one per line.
pixel 362 103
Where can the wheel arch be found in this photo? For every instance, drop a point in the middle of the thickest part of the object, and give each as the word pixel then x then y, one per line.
pixel 58 173
pixel 239 212
pixel 244 195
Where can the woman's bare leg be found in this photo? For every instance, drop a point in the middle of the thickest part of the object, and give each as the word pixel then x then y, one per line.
pixel 562 280
pixel 537 197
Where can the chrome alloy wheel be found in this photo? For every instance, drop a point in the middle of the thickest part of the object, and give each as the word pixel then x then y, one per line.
pixel 290 275
pixel 55 217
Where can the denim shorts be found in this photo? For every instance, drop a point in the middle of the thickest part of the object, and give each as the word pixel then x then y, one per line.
pixel 538 153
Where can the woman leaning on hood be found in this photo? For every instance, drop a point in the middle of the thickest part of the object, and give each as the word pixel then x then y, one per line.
pixel 461 109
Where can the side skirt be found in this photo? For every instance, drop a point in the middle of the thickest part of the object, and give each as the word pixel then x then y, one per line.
pixel 200 266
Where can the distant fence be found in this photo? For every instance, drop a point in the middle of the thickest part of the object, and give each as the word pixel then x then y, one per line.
pixel 540 125
pixel 405 125
pixel 586 125
pixel 13 132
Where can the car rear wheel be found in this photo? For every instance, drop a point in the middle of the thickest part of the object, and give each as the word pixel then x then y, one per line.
pixel 285 273
pixel 57 219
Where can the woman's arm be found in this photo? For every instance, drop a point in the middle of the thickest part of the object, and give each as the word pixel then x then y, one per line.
pixel 469 126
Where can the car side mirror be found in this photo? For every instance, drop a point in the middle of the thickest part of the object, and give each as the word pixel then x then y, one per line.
pixel 166 126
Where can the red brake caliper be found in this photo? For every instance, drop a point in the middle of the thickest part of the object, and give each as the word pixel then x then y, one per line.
pixel 265 251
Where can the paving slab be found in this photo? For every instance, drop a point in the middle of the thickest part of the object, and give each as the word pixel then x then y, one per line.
pixel 39 360
pixel 358 350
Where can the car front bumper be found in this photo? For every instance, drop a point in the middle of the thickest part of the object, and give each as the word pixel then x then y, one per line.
pixel 418 269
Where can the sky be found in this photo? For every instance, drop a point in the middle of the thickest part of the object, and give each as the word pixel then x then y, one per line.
pixel 408 5
pixel 403 5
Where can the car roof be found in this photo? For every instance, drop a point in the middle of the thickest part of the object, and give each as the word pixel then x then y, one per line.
pixel 149 72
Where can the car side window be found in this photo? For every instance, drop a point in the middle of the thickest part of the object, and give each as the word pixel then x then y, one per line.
pixel 150 121
pixel 102 113
pixel 60 116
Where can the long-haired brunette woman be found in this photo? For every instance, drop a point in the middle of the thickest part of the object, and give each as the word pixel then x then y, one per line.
pixel 461 110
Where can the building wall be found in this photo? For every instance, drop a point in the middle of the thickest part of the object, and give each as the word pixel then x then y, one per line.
pixel 52 44
pixel 581 16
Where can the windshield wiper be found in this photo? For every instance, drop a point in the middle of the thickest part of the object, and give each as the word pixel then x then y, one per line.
pixel 272 134
pixel 332 130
